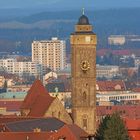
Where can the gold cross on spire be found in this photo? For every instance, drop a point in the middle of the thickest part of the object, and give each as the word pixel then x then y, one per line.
pixel 83 11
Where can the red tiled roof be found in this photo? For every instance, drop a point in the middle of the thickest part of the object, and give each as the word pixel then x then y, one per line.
pixel 126 111
pixel 103 52
pixel 133 127
pixel 136 89
pixel 37 100
pixel 110 85
pixel 11 105
pixel 134 135
pixel 132 124
pixel 69 132
pixel 40 105
pixel 36 89
pixel 25 136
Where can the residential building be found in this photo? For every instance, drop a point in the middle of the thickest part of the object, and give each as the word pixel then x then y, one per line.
pixel 107 71
pixel 122 98
pixel 50 53
pixel 2 81
pixel 116 40
pixel 20 68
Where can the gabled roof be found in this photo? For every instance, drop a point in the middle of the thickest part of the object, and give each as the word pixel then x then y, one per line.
pixel 70 132
pixel 111 85
pixel 44 124
pixel 35 91
pixel 40 105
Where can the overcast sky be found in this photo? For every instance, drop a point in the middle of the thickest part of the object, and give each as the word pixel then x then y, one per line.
pixel 69 3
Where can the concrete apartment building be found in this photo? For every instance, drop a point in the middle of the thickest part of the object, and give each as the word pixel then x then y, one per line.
pixel 50 53
pixel 20 68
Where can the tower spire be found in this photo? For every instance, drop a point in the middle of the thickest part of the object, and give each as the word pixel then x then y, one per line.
pixel 83 11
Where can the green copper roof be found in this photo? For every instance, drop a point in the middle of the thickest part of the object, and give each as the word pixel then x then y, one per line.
pixel 13 95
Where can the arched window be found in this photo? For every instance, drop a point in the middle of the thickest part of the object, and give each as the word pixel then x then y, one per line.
pixel 59 114
pixel 84 95
pixel 85 122
pixel 52 114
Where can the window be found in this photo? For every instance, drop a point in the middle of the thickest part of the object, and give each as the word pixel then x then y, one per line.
pixel 52 114
pixel 59 114
pixel 85 123
pixel 84 95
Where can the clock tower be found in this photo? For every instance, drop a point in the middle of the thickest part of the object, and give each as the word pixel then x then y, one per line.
pixel 83 42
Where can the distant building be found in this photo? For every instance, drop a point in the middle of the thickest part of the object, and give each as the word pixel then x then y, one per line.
pixel 50 53
pixel 123 98
pixel 116 40
pixel 126 111
pixel 2 81
pixel 107 71
pixel 18 88
pixel 48 77
pixel 20 68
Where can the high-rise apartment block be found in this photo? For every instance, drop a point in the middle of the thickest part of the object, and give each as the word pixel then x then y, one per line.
pixel 50 53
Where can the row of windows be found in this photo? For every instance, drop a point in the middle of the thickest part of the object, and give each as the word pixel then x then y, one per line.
pixel 123 97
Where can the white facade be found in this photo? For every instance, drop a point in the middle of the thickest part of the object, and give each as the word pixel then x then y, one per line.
pixel 20 68
pixel 130 96
pixel 107 71
pixel 50 53
pixel 116 40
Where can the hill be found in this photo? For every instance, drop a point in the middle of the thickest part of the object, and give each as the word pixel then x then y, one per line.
pixel 44 25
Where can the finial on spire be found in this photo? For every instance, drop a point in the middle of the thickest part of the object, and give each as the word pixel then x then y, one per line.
pixel 83 11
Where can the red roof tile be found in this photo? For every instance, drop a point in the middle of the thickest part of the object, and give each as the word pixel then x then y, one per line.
pixel 134 135
pixel 40 105
pixel 132 124
pixel 126 111
pixel 11 105
pixel 110 85
pixel 25 136
pixel 37 100
pixel 69 132
pixel 103 52
pixel 36 89
pixel 136 89
pixel 133 127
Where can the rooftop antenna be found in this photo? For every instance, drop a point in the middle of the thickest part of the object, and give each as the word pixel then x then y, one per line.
pixel 83 11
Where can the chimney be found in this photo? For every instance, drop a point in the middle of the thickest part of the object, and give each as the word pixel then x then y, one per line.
pixel 37 130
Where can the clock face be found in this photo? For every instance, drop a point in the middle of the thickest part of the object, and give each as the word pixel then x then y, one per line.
pixel 85 65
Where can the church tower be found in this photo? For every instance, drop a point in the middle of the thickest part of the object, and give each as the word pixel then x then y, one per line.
pixel 83 42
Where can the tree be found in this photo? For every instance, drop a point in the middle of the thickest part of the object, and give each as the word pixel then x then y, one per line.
pixel 112 128
pixel 102 127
